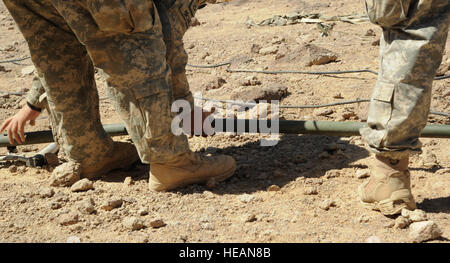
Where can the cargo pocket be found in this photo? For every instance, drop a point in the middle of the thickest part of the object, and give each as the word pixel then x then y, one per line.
pixel 388 13
pixel 381 105
pixel 122 16
pixel 148 115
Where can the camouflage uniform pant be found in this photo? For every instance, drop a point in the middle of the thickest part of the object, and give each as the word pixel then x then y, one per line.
pixel 413 41
pixel 125 40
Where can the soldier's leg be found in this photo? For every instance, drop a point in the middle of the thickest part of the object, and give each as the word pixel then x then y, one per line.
pixel 411 51
pixel 175 17
pixel 133 59
pixel 131 54
pixel 414 36
pixel 67 74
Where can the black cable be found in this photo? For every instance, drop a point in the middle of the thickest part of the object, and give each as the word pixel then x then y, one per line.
pixel 14 60
pixel 210 66
pixel 440 113
pixel 442 77
pixel 263 71
pixel 301 72
pixel 13 93
pixel 293 71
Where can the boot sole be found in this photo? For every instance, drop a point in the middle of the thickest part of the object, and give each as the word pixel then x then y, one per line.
pixel 218 178
pixel 399 200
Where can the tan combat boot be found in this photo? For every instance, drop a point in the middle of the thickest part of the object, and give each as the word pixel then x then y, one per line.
pixel 123 156
pixel 388 189
pixel 190 168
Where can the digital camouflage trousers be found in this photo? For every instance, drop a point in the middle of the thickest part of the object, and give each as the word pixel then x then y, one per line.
pixel 411 49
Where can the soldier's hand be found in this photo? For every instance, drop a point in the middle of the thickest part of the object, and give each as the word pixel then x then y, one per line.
pixel 15 125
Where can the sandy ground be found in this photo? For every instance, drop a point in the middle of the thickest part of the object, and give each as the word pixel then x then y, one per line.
pixel 241 209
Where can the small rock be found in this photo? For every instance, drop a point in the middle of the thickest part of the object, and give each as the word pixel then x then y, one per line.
pixel 3 69
pixel 55 205
pixel 401 222
pixel 310 190
pixel 157 223
pixel 22 169
pixel 249 218
pixel 205 218
pixel 373 239
pixel 86 206
pixel 268 92
pixel 46 192
pixel 405 213
pixel 246 198
pixel 204 55
pixel 214 82
pixel 82 185
pixel 363 219
pixel 207 226
pixel 128 199
pixel 208 194
pixel 370 33
pixel 361 174
pixel 338 96
pixel 133 223
pixel 142 211
pixel 66 174
pixel 332 174
pixel 128 181
pixel 348 114
pixel 376 42
pixel 209 60
pixel 73 239
pixel 12 169
pixel 277 40
pixel 255 48
pixel 112 203
pixel 68 219
pixel 418 216
pixel 315 55
pixel 323 112
pixel 429 160
pixel 28 70
pixel 423 231
pixel 415 216
pixel 9 48
pixel 326 204
pixel 389 224
pixel 443 171
pixel 273 188
pixel 268 50
pixel 443 68
pixel 251 81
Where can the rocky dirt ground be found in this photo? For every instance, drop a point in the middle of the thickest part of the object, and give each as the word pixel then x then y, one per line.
pixel 304 189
